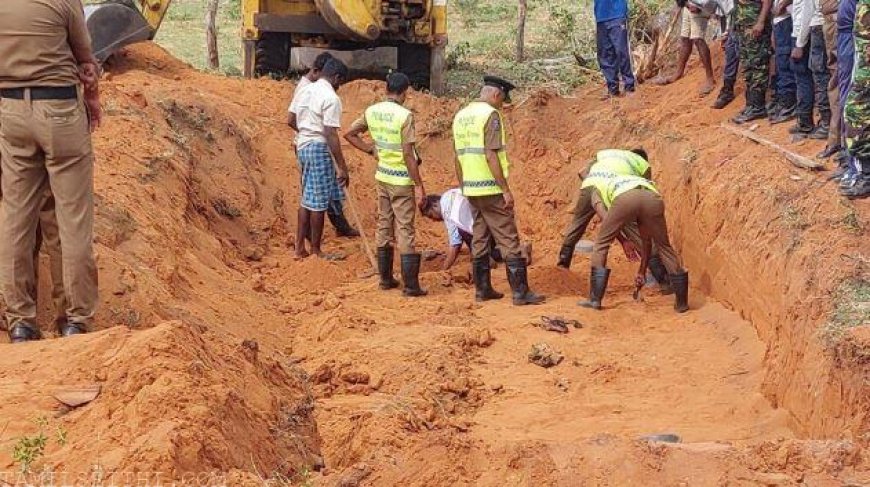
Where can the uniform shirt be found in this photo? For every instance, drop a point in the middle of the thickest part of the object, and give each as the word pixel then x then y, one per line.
pixel 806 13
pixel 610 10
pixel 457 215
pixel 37 38
pixel 409 135
pixel 316 107
pixel 492 133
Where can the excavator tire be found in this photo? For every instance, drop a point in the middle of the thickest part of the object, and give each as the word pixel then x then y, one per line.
pixel 272 55
pixel 415 60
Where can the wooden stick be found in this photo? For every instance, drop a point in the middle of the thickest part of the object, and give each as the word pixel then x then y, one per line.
pixel 362 232
pixel 796 159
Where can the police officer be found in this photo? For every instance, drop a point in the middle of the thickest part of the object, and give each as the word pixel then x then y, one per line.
pixel 400 187
pixel 45 55
pixel 622 162
pixel 628 199
pixel 482 166
pixel 752 27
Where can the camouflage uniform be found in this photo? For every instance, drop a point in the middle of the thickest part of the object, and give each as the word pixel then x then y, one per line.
pixel 754 53
pixel 857 109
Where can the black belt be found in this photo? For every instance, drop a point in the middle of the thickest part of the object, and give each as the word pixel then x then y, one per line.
pixel 42 93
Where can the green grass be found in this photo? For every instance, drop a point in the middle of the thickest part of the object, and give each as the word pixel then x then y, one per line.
pixel 852 310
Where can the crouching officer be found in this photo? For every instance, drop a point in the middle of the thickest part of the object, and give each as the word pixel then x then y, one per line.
pixel 611 161
pixel 400 187
pixel 482 166
pixel 45 55
pixel 628 199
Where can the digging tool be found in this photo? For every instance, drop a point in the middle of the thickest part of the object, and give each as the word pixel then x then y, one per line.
pixel 368 248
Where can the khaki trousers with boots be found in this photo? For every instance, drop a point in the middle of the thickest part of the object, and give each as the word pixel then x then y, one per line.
pixel 493 219
pixel 47 140
pixel 830 30
pixel 396 210
pixel 648 210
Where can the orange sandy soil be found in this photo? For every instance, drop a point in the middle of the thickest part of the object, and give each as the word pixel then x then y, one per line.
pixel 218 353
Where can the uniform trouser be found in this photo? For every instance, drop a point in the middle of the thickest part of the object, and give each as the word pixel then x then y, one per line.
pixel 804 78
pixel 785 82
pixel 493 219
pixel 818 65
pixel 396 211
pixel 648 209
pixel 614 54
pixel 830 30
pixel 583 214
pixel 48 237
pixel 39 140
pixel 732 62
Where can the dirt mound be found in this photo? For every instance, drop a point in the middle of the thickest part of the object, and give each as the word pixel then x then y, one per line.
pixel 197 191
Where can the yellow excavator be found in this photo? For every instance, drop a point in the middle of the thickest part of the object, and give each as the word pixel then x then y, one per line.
pixel 283 36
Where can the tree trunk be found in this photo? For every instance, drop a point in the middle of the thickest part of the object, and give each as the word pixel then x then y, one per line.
pixel 521 31
pixel 211 45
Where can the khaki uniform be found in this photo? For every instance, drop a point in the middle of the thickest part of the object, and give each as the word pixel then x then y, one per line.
pixel 830 30
pixel 647 209
pixel 492 219
pixel 44 139
pixel 396 207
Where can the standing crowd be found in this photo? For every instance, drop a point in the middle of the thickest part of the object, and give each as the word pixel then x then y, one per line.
pixel 803 60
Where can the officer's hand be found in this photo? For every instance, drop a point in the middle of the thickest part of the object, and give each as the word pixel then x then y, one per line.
pixel 639 280
pixel 342 177
pixel 89 74
pixel 724 39
pixel 757 31
pixel 797 53
pixel 630 251
pixel 508 200
pixel 420 196
pixel 94 110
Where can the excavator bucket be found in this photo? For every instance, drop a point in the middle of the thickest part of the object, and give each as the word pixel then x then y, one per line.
pixel 115 24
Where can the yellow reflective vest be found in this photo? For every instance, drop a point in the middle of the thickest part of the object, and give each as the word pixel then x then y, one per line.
pixel 385 121
pixel 611 188
pixel 469 128
pixel 611 163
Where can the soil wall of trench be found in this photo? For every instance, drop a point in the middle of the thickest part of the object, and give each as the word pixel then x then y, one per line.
pixel 769 240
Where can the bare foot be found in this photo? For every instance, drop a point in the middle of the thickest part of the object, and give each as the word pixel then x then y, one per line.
pixel 662 80
pixel 708 87
pixel 301 254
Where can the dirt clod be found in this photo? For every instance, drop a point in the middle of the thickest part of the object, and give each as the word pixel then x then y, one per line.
pixel 545 356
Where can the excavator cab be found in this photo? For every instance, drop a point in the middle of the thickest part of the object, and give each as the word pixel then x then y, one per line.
pixel 114 24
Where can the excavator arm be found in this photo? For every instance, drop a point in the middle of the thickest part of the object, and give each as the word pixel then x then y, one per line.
pixel 351 18
pixel 114 24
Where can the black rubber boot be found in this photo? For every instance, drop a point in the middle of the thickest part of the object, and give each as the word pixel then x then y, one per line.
pixel 24 332
pixel 661 274
pixel 566 255
pixel 385 268
pixel 726 96
pixel 822 130
pixel 70 329
pixel 483 290
pixel 755 108
pixel 343 228
pixel 680 283
pixel 786 111
pixel 803 126
pixel 597 286
pixel 518 277
pixel 411 275
pixel 829 151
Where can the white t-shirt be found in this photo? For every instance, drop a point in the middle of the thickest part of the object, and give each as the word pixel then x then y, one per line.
pixel 780 18
pixel 457 215
pixel 303 82
pixel 807 13
pixel 316 106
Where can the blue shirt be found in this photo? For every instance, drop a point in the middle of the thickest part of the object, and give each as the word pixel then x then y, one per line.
pixel 610 10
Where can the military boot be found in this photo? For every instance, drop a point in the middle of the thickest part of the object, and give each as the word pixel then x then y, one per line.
pixel 597 286
pixel 822 130
pixel 24 332
pixel 755 108
pixel 483 290
pixel 566 255
pixel 518 277
pixel 804 125
pixel 786 110
pixel 411 275
pixel 661 274
pixel 726 96
pixel 385 268
pixel 680 283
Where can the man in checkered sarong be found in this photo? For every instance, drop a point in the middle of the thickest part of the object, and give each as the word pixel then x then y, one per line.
pixel 315 115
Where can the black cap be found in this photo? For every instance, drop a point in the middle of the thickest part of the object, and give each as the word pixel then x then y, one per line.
pixel 504 85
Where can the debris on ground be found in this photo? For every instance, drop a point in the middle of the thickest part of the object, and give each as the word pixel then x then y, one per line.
pixel 75 396
pixel 545 356
pixel 663 438
pixel 557 324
